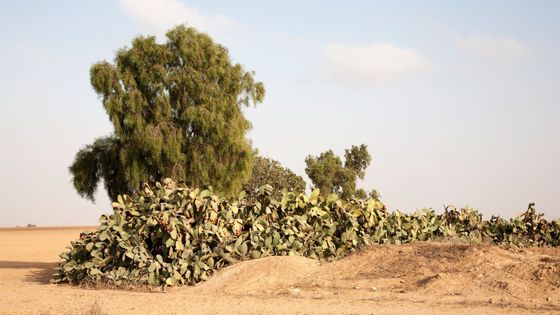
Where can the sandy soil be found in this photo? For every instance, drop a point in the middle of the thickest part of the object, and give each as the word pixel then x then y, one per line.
pixel 419 278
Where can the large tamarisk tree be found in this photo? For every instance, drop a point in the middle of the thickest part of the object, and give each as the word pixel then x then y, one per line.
pixel 176 109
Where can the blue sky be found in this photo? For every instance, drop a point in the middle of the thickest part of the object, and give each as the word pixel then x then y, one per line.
pixel 458 102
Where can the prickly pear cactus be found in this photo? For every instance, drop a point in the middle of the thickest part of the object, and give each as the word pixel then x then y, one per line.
pixel 170 234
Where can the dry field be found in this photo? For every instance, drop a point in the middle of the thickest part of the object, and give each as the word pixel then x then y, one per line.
pixel 419 278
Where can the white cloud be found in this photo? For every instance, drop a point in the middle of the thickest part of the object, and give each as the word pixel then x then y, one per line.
pixel 496 48
pixel 373 63
pixel 160 15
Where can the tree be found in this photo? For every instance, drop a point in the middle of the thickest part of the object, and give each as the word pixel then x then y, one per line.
pixel 269 171
pixel 176 109
pixel 363 194
pixel 330 175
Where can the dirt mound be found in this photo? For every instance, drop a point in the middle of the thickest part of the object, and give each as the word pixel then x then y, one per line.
pixel 266 275
pixel 439 268
pixel 474 272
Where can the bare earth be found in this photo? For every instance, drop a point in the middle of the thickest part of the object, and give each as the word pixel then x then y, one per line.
pixel 419 278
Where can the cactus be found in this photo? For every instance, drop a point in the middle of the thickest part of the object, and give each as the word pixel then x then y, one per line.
pixel 169 234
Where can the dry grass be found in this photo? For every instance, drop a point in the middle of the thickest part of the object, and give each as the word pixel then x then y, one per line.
pixel 94 309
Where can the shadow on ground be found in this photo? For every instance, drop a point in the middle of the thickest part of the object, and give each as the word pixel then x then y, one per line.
pixel 41 272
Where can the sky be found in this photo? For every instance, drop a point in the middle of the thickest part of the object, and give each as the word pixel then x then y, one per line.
pixel 458 102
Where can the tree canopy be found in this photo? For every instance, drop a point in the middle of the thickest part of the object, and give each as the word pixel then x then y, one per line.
pixel 269 171
pixel 176 109
pixel 330 175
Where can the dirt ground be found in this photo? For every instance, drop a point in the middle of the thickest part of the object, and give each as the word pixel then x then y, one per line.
pixel 419 278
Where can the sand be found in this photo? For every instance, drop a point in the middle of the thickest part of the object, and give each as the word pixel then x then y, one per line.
pixel 418 278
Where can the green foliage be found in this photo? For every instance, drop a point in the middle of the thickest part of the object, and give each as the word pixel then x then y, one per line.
pixel 357 159
pixel 176 109
pixel 363 194
pixel 173 235
pixel 269 171
pixel 97 161
pixel 330 175
pixel 528 229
